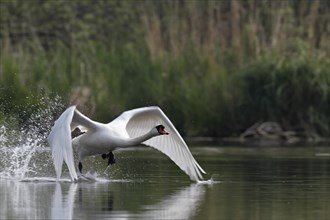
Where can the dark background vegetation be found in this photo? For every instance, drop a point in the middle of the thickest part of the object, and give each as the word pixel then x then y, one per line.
pixel 214 67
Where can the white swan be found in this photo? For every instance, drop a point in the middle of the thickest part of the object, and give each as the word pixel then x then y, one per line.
pixel 138 126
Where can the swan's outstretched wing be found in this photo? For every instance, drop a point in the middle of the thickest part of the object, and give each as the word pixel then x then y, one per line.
pixel 59 139
pixel 139 121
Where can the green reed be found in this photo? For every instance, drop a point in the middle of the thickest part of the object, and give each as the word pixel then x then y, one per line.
pixel 272 64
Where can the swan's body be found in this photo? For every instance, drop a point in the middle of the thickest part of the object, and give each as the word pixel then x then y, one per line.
pixel 131 128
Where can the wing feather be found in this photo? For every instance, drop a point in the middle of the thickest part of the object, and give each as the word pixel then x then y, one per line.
pixel 139 121
pixel 60 140
pixel 82 120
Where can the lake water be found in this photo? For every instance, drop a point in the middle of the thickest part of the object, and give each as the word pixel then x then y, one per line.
pixel 243 183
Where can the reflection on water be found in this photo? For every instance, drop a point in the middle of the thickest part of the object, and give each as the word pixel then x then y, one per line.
pixel 63 202
pixel 23 200
pixel 112 205
pixel 256 183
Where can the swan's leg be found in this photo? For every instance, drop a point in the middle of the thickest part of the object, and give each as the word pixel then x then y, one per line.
pixel 80 167
pixel 111 157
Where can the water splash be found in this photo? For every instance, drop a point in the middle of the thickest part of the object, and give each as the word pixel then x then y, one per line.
pixel 215 178
pixel 21 146
pixel 17 159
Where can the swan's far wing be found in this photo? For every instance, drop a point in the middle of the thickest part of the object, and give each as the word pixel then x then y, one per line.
pixel 79 120
pixel 59 140
pixel 140 121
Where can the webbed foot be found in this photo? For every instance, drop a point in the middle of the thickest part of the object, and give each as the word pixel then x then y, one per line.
pixel 111 157
pixel 80 167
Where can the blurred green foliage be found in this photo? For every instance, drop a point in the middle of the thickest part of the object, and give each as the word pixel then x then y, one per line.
pixel 215 67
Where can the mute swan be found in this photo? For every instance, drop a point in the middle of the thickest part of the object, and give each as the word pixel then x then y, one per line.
pixel 144 125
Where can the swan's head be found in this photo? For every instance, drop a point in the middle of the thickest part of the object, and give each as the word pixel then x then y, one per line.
pixel 161 130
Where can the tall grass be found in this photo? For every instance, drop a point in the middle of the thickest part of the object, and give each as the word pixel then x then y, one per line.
pixel 215 67
pixel 290 92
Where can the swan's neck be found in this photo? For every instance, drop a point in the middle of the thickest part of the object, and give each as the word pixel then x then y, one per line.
pixel 138 140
